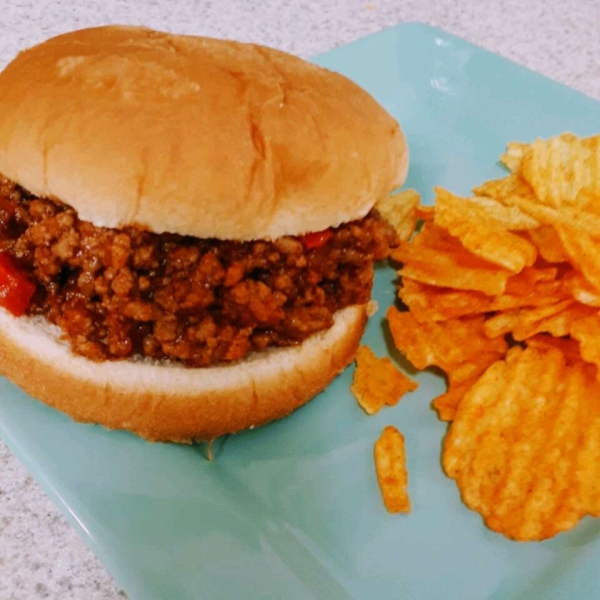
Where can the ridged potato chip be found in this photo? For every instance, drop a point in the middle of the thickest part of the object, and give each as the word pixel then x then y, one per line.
pixel 558 325
pixel 390 465
pixel 522 283
pixel 446 404
pixel 578 287
pixel 575 217
pixel 568 346
pixel 534 274
pixel 434 237
pixel 560 167
pixel 446 344
pixel 430 303
pixel 460 380
pixel 481 209
pixel 377 382
pixel 482 234
pixel 587 332
pixel 498 189
pixel 513 156
pixel 458 269
pixel 547 241
pixel 399 210
pixel 523 322
pixel 524 446
pixel 583 251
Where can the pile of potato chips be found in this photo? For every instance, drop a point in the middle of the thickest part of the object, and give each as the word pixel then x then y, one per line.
pixel 503 294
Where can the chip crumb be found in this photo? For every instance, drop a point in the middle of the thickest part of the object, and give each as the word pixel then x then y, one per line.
pixel 392 475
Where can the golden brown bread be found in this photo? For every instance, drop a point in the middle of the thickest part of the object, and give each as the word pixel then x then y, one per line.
pixel 169 402
pixel 194 135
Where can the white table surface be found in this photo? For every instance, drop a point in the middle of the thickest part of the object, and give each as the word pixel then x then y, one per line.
pixel 40 554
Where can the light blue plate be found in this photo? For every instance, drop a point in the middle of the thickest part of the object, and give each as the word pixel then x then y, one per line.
pixel 293 510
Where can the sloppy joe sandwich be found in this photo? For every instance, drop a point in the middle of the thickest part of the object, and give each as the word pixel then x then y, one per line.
pixel 187 231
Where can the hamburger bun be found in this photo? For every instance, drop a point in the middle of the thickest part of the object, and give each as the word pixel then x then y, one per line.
pixel 168 402
pixel 195 136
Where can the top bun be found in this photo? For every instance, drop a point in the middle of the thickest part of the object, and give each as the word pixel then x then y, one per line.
pixel 195 136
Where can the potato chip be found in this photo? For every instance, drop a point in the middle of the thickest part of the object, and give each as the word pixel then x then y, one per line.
pixel 378 382
pixel 558 168
pixel 513 156
pixel 456 270
pixel 578 287
pixel 430 303
pixel 583 251
pixel 524 446
pixel 480 209
pixel 568 346
pixel 498 189
pixel 446 344
pixel 433 240
pixel 522 283
pixel 481 234
pixel 446 404
pixel 575 216
pixel 546 240
pixel 558 324
pixel 390 465
pixel 460 381
pixel 587 332
pixel 587 201
pixel 399 210
pixel 433 237
pixel 522 319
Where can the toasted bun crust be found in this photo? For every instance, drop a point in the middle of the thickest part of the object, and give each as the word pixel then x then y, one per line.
pixel 193 135
pixel 167 402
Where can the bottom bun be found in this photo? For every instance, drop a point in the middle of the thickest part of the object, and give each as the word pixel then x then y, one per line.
pixel 162 401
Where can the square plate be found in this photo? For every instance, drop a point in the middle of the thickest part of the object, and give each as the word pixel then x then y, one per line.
pixel 293 510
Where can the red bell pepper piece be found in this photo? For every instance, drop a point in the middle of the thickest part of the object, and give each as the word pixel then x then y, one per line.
pixel 15 287
pixel 316 239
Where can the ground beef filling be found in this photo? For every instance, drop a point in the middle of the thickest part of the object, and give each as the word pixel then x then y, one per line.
pixel 122 292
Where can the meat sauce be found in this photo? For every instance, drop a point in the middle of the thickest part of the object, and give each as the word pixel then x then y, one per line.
pixel 116 293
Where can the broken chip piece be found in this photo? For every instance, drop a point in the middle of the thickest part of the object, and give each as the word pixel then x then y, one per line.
pixel 392 475
pixel 377 382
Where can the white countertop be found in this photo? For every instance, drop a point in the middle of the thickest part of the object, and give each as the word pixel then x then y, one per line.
pixel 40 554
